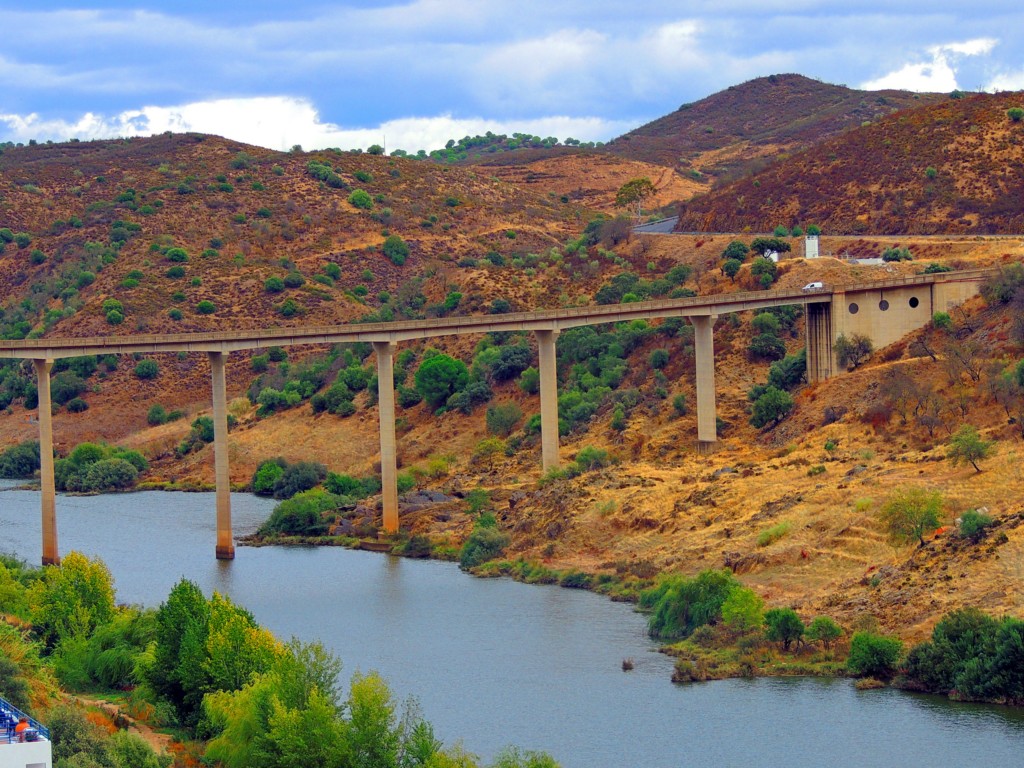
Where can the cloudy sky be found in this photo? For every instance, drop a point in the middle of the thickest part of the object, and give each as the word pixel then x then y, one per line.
pixel 414 73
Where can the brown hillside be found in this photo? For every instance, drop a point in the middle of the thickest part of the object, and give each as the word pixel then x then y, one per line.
pixel 592 179
pixel 742 128
pixel 956 166
pixel 658 507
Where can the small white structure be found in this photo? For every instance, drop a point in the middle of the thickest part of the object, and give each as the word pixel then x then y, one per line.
pixel 811 247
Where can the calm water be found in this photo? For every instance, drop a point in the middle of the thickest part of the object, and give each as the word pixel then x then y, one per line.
pixel 494 662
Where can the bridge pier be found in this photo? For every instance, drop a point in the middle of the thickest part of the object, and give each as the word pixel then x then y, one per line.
pixel 820 357
pixel 548 365
pixel 51 555
pixel 704 357
pixel 225 541
pixel 386 416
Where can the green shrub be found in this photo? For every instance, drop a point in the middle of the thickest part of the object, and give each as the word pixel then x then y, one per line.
pixel 175 272
pixel 873 655
pixel 1016 114
pixel 114 317
pixel 147 369
pixel 176 254
pixel 590 458
pixel 483 544
pixel 206 307
pixel 681 604
pixel 396 249
pixel 77 405
pixel 175 314
pixel 773 534
pixel 439 377
pixel 679 405
pixel 294 280
pixel 156 415
pixel 266 476
pixel 298 477
pixel 360 198
pixel 21 460
pixel 273 285
pixel 973 524
pixel 301 515
pixel 502 419
pixel 110 474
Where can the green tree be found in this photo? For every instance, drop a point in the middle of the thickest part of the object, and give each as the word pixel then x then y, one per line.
pixel 488 449
pixel 873 655
pixel 966 445
pixel 147 369
pixel 633 193
pixel 783 626
pixel 765 245
pixel 765 270
pixel 72 600
pixel 1016 114
pixel 374 738
pixel 852 350
pixel 179 649
pixel 737 250
pixel 743 610
pixel 731 268
pixel 156 415
pixel 767 346
pixel 439 377
pixel 679 605
pixel 823 630
pixel 529 381
pixel 910 513
pixel 771 407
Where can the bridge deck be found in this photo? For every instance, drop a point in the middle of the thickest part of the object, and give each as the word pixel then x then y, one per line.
pixel 542 320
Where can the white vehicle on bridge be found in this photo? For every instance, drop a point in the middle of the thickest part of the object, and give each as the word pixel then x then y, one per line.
pixel 815 286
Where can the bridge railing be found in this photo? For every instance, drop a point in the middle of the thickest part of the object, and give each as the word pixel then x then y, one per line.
pixel 9 712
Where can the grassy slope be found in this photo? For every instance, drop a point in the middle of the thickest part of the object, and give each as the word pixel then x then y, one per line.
pixel 955 166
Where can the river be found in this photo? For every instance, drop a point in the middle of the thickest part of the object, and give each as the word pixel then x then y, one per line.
pixel 494 662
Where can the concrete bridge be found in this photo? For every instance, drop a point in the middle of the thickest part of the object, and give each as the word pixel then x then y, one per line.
pixel 883 310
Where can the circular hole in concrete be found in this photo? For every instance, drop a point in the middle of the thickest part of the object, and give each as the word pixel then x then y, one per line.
pixel 854 309
pixel 883 305
pixel 914 302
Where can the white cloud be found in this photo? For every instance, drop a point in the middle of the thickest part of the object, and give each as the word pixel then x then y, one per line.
pixel 1007 81
pixel 279 122
pixel 937 75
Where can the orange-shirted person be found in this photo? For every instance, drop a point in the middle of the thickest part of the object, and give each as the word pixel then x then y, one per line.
pixel 20 728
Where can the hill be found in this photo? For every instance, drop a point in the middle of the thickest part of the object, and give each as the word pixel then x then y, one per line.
pixel 745 127
pixel 257 229
pixel 952 167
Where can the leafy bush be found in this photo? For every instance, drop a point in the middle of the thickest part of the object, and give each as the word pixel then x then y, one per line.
pixel 176 254
pixel 773 534
pixel 156 415
pixel 897 254
pixel 298 477
pixel 147 369
pixel 206 307
pixel 873 655
pixel 483 544
pixel 109 475
pixel 273 285
pixel 771 407
pixel 681 604
pixel 266 476
pixel 973 524
pixel 767 346
pixel 1016 114
pixel 909 513
pixel 301 515
pixel 502 419
pixel 20 461
pixel 396 249
pixel 360 198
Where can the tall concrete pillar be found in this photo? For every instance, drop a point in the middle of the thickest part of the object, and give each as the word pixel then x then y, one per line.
pixel 704 354
pixel 819 341
pixel 548 364
pixel 225 542
pixel 51 555
pixel 386 415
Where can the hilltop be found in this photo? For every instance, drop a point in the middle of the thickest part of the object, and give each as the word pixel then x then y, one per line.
pixel 746 126
pixel 952 167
